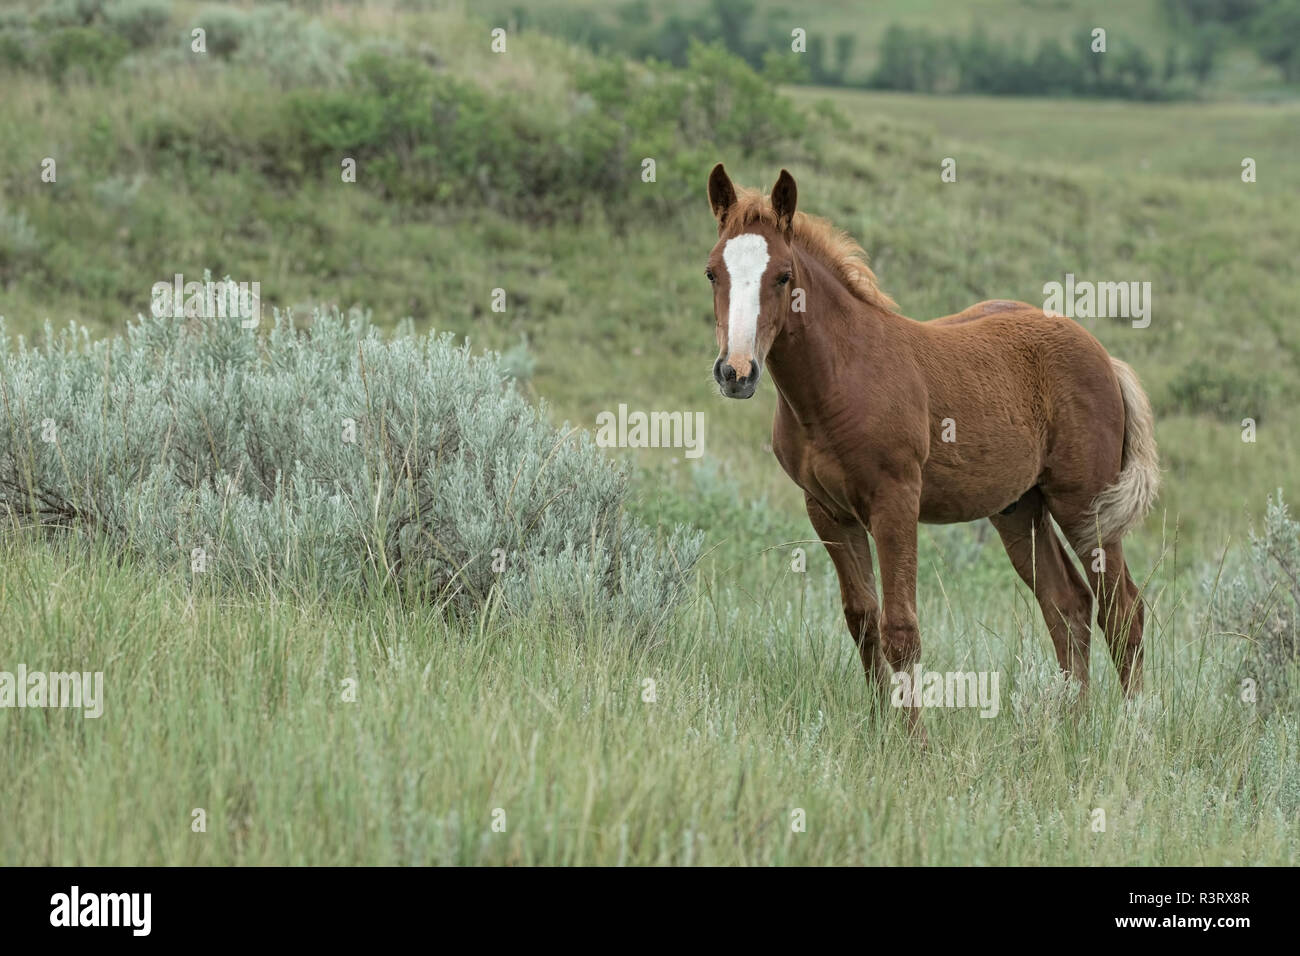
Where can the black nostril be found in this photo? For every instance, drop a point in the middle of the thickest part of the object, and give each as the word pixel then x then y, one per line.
pixel 728 373
pixel 717 370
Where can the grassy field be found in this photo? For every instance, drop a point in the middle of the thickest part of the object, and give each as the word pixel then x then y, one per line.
pixel 235 704
pixel 237 709
pixel 1106 137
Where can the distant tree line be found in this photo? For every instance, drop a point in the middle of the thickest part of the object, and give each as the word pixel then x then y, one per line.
pixel 1270 27
pixel 925 60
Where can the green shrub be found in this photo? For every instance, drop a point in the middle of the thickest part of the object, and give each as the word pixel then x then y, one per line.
pixel 17 46
pixel 19 242
pixel 423 136
pixel 1276 33
pixel 292 49
pixel 88 50
pixel 68 13
pixel 141 23
pixel 1278 765
pixel 1259 599
pixel 224 29
pixel 118 192
pixel 426 136
pixel 1211 388
pixel 85 37
pixel 198 434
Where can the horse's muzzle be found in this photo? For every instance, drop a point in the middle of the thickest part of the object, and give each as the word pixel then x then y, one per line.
pixel 732 385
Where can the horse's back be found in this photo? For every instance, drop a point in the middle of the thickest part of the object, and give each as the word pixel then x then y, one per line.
pixel 1025 392
pixel 1018 331
pixel 981 309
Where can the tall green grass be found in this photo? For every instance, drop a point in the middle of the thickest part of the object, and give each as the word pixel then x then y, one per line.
pixel 760 710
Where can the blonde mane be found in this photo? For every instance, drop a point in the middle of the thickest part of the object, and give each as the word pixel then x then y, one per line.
pixel 833 247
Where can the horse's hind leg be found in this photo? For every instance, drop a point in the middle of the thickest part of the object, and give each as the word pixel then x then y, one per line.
pixel 1121 611
pixel 1043 563
pixel 1123 620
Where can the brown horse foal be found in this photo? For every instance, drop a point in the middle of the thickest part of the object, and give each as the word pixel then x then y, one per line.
pixel 1000 412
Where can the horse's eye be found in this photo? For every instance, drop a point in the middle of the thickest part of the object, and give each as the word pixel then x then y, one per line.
pixel 708 274
pixel 783 278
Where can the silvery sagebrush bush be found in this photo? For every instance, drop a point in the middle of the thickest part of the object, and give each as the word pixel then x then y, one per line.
pixel 1259 599
pixel 187 434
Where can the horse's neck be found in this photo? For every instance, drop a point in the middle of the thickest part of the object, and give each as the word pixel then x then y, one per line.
pixel 835 340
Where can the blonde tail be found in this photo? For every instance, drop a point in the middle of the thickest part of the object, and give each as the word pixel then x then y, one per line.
pixel 1124 504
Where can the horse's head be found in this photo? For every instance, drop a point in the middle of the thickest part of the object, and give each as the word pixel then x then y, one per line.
pixel 752 271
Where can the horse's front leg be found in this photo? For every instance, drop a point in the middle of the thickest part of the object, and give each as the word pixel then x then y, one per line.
pixel 894 514
pixel 850 551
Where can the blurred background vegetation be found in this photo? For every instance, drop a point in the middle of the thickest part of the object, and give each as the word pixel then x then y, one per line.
pixel 522 171
pixel 1160 49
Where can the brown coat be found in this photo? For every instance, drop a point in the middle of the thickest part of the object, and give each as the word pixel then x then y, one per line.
pixel 998 412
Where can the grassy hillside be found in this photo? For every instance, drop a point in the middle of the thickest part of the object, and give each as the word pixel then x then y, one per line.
pixel 184 166
pixel 525 175
pixel 1176 141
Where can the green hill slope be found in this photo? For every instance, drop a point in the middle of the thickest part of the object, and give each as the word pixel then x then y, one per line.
pixel 231 162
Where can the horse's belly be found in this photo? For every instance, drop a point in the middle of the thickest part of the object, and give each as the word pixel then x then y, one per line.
pixel 959 489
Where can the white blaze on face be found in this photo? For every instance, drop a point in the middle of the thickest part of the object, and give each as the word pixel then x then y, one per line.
pixel 746 258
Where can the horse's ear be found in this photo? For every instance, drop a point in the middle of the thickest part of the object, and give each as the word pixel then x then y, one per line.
pixel 722 194
pixel 785 194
